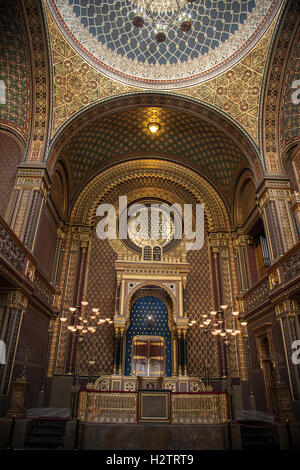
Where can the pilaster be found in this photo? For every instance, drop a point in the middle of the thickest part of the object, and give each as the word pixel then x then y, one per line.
pixel 240 246
pixel 30 194
pixel 274 201
pixel 295 205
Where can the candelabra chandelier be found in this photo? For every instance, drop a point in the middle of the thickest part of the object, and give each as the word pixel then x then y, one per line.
pixel 83 321
pixel 162 15
pixel 220 324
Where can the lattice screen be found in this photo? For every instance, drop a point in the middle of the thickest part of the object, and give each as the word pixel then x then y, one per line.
pixel 199 301
pixel 101 287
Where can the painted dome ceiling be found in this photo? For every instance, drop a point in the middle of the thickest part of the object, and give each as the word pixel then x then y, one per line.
pixel 222 32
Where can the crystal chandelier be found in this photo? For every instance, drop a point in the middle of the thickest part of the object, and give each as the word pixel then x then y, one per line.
pixel 162 15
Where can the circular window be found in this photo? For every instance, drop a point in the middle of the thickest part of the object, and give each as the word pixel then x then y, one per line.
pixel 151 223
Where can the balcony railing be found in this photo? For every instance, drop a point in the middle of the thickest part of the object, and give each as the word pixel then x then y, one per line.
pixel 24 265
pixel 282 274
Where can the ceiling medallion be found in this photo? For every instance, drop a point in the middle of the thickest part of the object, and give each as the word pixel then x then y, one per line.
pixel 162 15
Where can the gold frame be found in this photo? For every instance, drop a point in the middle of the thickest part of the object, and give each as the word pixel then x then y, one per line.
pixel 147 338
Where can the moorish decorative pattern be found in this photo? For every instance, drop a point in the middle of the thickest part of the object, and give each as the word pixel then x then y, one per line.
pixel 103 33
pixel 14 68
pixel 101 281
pixel 289 111
pixel 124 135
pixel 201 348
pixel 273 87
pixel 235 92
pixel 76 83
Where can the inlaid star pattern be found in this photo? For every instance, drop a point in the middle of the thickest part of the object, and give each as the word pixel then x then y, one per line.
pixel 148 305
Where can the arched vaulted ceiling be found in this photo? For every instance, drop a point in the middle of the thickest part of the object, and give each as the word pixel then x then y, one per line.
pixel 183 137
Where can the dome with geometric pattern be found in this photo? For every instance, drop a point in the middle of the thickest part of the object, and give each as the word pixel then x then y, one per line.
pixel 221 32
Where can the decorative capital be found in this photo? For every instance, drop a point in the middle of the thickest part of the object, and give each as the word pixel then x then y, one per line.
pixel 34 177
pixel 81 233
pixel 273 189
pixel 287 308
pixel 13 299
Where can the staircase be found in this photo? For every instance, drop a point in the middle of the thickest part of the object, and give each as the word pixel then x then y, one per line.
pixel 257 435
pixel 46 433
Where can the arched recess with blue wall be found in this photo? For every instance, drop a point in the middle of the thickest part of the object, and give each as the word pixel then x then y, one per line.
pixel 144 306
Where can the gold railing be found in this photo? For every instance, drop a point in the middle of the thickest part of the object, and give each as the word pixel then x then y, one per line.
pixel 121 407
pixel 199 408
pixel 108 407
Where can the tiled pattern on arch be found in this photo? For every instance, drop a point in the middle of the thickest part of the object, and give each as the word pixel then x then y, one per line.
pixel 77 84
pixel 182 136
pixel 14 68
pixel 289 112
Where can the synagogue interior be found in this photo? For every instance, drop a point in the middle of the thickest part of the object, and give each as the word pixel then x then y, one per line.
pixel 175 322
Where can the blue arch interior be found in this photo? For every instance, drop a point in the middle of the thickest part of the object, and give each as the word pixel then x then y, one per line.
pixel 138 326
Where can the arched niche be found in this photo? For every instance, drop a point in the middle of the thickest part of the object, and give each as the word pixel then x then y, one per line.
pixel 244 198
pixel 291 164
pixel 59 189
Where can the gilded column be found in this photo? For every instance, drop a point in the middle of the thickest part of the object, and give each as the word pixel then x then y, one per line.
pixel 120 321
pixel 117 351
pixel 58 256
pixel 274 199
pixel 72 284
pixel 295 205
pixel 240 244
pixel 179 350
pixel 184 353
pixel 121 347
